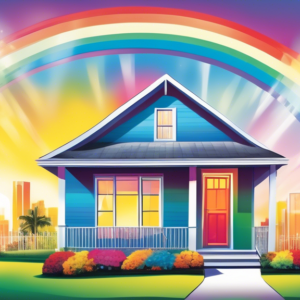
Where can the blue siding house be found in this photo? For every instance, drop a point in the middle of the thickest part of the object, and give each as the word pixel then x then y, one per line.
pixel 165 170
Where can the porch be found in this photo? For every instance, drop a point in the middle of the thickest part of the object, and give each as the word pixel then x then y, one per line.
pixel 79 238
pixel 181 201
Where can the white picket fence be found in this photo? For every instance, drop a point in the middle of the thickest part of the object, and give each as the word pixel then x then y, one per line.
pixel 18 241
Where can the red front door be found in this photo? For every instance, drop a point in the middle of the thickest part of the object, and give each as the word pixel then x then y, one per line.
pixel 216 211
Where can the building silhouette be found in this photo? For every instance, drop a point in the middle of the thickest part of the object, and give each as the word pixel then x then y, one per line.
pixel 21 201
pixel 294 220
pixel 4 228
pixel 281 225
pixel 41 207
pixel 52 213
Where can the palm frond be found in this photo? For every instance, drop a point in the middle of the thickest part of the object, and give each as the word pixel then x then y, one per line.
pixel 26 218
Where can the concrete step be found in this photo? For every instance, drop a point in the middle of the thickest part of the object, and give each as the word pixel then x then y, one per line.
pixel 230 258
pixel 231 264
pixel 227 252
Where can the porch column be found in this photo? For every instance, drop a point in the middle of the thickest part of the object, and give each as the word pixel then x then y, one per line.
pixel 61 241
pixel 272 209
pixel 192 208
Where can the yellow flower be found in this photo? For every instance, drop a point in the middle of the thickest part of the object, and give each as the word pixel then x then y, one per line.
pixel 78 263
pixel 136 259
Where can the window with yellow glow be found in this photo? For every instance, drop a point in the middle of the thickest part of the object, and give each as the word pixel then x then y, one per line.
pixel 127 201
pixel 123 202
pixel 150 202
pixel 165 124
pixel 105 202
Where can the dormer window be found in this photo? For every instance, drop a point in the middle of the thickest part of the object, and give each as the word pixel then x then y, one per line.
pixel 165 124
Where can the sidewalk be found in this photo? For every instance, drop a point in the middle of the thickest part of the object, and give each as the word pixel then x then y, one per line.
pixel 241 284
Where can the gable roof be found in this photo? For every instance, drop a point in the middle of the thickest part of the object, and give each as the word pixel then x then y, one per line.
pixel 162 86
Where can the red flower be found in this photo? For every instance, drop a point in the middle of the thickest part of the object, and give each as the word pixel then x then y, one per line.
pixel 296 257
pixel 108 258
pixel 53 264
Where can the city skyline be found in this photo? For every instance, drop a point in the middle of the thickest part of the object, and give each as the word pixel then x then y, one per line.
pixel 8 211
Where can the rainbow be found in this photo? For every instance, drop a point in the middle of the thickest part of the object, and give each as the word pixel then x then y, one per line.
pixel 257 58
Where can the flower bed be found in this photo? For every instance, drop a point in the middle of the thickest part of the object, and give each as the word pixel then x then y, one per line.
pixel 280 262
pixel 111 262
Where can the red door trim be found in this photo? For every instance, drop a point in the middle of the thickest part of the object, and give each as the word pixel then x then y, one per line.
pixel 232 176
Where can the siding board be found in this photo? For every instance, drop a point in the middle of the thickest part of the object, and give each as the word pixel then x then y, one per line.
pixel 190 126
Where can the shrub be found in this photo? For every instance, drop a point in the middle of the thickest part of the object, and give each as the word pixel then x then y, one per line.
pixel 188 259
pixel 53 264
pixel 282 260
pixel 13 246
pixel 296 258
pixel 264 261
pixel 136 260
pixel 270 255
pixel 108 258
pixel 77 264
pixel 156 269
pixel 162 259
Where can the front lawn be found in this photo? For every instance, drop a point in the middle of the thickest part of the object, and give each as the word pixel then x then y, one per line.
pixel 288 286
pixel 26 256
pixel 20 280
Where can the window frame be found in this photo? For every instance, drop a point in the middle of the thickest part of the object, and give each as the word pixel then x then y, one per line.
pixel 174 125
pixel 140 198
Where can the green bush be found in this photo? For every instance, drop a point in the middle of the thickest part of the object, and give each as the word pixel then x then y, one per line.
pixel 282 260
pixel 264 261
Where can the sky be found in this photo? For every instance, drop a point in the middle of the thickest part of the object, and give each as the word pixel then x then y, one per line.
pixel 43 111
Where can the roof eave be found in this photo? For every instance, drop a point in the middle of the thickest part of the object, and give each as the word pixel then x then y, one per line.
pixel 162 162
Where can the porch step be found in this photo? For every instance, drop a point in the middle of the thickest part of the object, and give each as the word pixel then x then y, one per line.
pixel 232 265
pixel 230 258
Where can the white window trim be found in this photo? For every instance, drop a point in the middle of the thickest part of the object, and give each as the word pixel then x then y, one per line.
pixel 174 124
pixel 140 210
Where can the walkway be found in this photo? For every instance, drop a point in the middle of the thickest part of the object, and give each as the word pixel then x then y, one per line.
pixel 241 284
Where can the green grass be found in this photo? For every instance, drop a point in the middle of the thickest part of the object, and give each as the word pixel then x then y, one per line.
pixel 25 256
pixel 19 280
pixel 288 286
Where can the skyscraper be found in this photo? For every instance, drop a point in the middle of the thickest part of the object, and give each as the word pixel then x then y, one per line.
pixel 52 213
pixel 41 207
pixel 21 201
pixel 281 225
pixel 4 224
pixel 294 216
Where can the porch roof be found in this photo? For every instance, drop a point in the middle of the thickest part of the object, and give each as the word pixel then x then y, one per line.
pixel 166 153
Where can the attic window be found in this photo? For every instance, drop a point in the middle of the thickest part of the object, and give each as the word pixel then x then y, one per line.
pixel 165 124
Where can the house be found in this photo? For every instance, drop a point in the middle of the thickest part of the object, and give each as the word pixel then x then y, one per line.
pixel 165 170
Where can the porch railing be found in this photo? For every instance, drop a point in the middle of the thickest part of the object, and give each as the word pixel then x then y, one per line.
pixel 261 239
pixel 127 237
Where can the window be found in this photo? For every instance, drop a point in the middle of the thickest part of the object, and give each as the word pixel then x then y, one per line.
pixel 150 209
pixel 105 201
pixel 165 124
pixel 128 201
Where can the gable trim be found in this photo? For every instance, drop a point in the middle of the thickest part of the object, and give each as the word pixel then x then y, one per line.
pixel 162 84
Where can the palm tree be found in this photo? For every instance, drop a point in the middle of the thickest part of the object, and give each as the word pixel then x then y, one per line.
pixel 32 221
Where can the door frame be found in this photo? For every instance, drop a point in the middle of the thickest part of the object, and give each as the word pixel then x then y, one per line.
pixel 205 214
pixel 232 174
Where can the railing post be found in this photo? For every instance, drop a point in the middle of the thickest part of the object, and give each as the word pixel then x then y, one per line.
pixel 272 209
pixel 61 239
pixel 192 208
